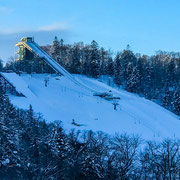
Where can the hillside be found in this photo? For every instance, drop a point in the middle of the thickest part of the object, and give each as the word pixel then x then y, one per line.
pixel 63 100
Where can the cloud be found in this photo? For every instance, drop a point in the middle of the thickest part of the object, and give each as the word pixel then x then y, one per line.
pixel 58 26
pixel 8 31
pixel 43 35
pixel 5 10
pixel 54 27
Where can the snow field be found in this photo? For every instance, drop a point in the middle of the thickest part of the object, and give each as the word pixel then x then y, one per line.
pixel 66 101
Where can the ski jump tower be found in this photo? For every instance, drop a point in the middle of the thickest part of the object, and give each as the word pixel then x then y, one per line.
pixel 29 48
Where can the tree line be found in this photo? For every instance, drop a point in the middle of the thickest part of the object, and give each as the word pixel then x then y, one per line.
pixel 32 149
pixel 155 77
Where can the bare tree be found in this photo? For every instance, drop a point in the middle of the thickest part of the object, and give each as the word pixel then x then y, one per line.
pixel 162 161
pixel 124 153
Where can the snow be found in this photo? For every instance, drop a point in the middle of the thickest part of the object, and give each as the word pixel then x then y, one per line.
pixel 77 108
pixel 5 162
pixel 18 83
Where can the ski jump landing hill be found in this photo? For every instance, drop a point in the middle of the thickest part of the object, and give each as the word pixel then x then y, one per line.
pixel 29 44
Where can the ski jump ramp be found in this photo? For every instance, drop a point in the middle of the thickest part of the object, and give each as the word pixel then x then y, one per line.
pixel 38 51
pixel 29 44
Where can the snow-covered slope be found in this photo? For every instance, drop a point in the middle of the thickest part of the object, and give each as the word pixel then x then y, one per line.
pixel 18 83
pixel 63 100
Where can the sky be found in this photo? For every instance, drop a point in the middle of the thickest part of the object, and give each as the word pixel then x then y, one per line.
pixel 146 25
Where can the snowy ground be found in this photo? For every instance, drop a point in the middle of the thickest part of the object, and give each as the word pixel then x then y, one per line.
pixel 63 100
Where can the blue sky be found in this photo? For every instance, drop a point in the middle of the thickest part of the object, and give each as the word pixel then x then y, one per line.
pixel 147 25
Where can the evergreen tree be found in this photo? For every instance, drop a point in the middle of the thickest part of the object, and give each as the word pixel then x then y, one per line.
pixel 55 49
pixel 148 79
pixel 75 63
pixel 103 61
pixel 94 60
pixel 30 117
pixel 170 73
pixel 61 42
pixel 110 67
pixel 85 64
pixel 166 99
pixel 141 65
pixel 118 70
pixel 176 101
pixel 133 81
pixel 63 54
pixel 9 160
pixel 129 71
pixel 127 57
pixel 1 64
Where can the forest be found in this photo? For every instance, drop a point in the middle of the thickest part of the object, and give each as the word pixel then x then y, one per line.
pixel 30 149
pixel 154 77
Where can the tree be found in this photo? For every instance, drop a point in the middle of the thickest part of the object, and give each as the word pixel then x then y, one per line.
pixel 104 57
pixel 94 60
pixel 55 49
pixel 141 65
pixel 75 63
pixel 133 81
pixel 9 160
pixel 166 99
pixel 124 153
pixel 176 101
pixel 161 160
pixel 170 72
pixel 127 57
pixel 148 81
pixel 118 70
pixel 110 67
pixel 10 64
pixel 93 155
pixel 30 116
pixel 1 64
